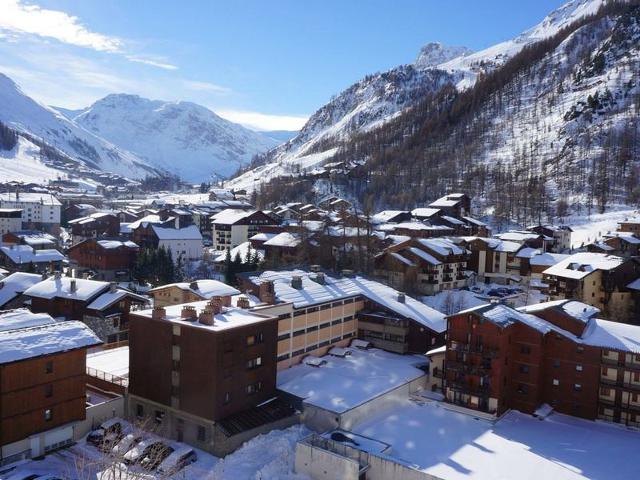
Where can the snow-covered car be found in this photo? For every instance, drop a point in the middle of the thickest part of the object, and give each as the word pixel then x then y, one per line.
pixel 179 459
pixel 107 435
pixel 154 455
pixel 142 450
pixel 126 443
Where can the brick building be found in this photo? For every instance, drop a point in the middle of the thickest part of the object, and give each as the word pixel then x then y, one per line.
pixel 42 382
pixel 554 353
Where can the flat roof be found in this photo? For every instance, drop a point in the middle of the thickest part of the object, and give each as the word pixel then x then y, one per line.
pixel 343 383
pixel 453 446
pixel 231 317
pixel 114 361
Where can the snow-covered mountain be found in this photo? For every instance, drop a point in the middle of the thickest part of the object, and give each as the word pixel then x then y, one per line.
pixel 381 97
pixel 45 126
pixel 180 137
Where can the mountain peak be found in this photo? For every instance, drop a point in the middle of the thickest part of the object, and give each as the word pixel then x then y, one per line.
pixel 435 53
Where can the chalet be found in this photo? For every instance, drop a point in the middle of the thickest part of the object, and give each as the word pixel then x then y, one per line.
pixel 631 225
pixel 527 239
pixel 417 229
pixel 104 259
pixel 623 244
pixel 423 266
pixel 43 388
pixel 476 227
pixel 23 258
pixel 13 286
pixel 391 216
pixel 187 292
pixel 103 306
pixel 334 204
pixel 95 225
pixel 233 227
pixel 35 239
pixel 77 210
pixel 425 213
pixel 454 204
pixel 282 249
pixel 494 260
pixel 596 279
pixel 184 243
pixel 561 236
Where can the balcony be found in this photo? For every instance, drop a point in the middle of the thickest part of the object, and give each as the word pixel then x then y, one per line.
pixel 469 388
pixel 607 401
pixel 610 381
pixel 469 368
pixel 484 350
pixel 612 361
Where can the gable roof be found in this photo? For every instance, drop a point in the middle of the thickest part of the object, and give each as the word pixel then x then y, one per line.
pixel 54 287
pixel 188 233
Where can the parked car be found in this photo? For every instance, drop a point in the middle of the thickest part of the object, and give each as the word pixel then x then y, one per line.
pixel 137 452
pixel 154 455
pixel 179 459
pixel 106 435
pixel 126 443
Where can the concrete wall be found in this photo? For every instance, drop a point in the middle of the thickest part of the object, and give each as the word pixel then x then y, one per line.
pixel 324 465
pixel 97 414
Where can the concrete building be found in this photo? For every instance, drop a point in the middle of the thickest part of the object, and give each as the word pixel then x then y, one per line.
pixel 40 211
pixel 232 227
pixel 10 220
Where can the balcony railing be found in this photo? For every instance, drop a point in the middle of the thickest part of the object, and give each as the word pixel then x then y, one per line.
pixel 469 388
pixel 481 349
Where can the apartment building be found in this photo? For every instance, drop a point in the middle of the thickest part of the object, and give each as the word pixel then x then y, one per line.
pixel 184 243
pixel 10 220
pixel 40 211
pixel 104 259
pixel 95 225
pixel 597 279
pixel 556 353
pixel 494 260
pixel 200 371
pixel 232 227
pixel 42 382
pixel 423 266
pixel 317 312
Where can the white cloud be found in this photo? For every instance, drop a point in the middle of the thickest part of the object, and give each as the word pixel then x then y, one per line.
pixel 206 87
pixel 152 62
pixel 20 18
pixel 263 121
pixel 16 18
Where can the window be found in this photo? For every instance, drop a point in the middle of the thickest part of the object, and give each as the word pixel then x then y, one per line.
pixel 202 433
pixel 48 390
pixel 522 388
pixel 251 340
pixel 577 387
pixel 48 415
pixel 605 391
pixel 605 371
pixel 578 368
pixel 159 415
pixel 139 411
pixel 48 367
pixel 524 368
pixel 556 363
pixel 580 349
pixel 254 362
pixel 298 333
pixel 284 336
pixel 556 382
pixel 526 349
pixel 227 397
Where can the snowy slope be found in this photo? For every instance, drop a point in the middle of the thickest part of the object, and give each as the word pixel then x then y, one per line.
pixel 23 164
pixel 24 114
pixel 381 97
pixel 180 137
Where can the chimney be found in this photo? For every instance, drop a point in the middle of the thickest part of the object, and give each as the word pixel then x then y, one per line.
pixel 296 282
pixel 401 297
pixel 193 285
pixel 73 286
pixel 320 278
pixel 347 273
pixel 113 287
pixel 206 316
pixel 158 313
pixel 314 268
pixel 267 293
pixel 226 301
pixel 216 305
pixel 243 302
pixel 189 313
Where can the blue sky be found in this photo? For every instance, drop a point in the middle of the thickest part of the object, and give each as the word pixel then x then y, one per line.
pixel 266 64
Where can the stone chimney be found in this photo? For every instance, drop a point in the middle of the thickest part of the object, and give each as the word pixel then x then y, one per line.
pixel 401 297
pixel 243 302
pixel 73 285
pixel 207 316
pixel 226 301
pixel 215 304
pixel 158 313
pixel 193 285
pixel 296 282
pixel 314 268
pixel 267 293
pixel 189 313
pixel 320 278
pixel 113 287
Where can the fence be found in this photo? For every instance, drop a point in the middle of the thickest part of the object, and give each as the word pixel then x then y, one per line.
pixel 108 377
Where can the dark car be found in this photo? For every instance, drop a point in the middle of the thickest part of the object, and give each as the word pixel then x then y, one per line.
pixel 106 435
pixel 154 455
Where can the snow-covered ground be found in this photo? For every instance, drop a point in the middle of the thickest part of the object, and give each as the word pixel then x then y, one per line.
pixel 588 229
pixel 114 361
pixel 22 164
pixel 455 446
pixel 268 456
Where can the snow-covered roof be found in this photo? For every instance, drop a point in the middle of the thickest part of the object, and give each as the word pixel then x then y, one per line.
pixel 386 216
pixel 507 246
pixel 230 216
pixel 547 259
pixel 230 317
pixel 314 292
pixel 28 197
pixel 188 233
pixel 574 308
pixel 205 288
pixel 92 217
pixel 528 252
pixel 427 257
pixel 343 383
pixel 517 236
pixel 446 201
pixel 35 237
pixel 109 298
pixel 625 236
pixel 151 218
pixel 262 237
pixel 284 239
pixel 441 246
pixel 475 221
pixel 15 284
pixel 453 220
pixel 22 318
pixel 56 337
pixel 114 361
pixel 21 254
pixel 424 212
pixel 243 249
pixel 61 287
pixel 111 244
pixel 579 265
pixel 505 316
pixel 612 335
pixel 402 259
